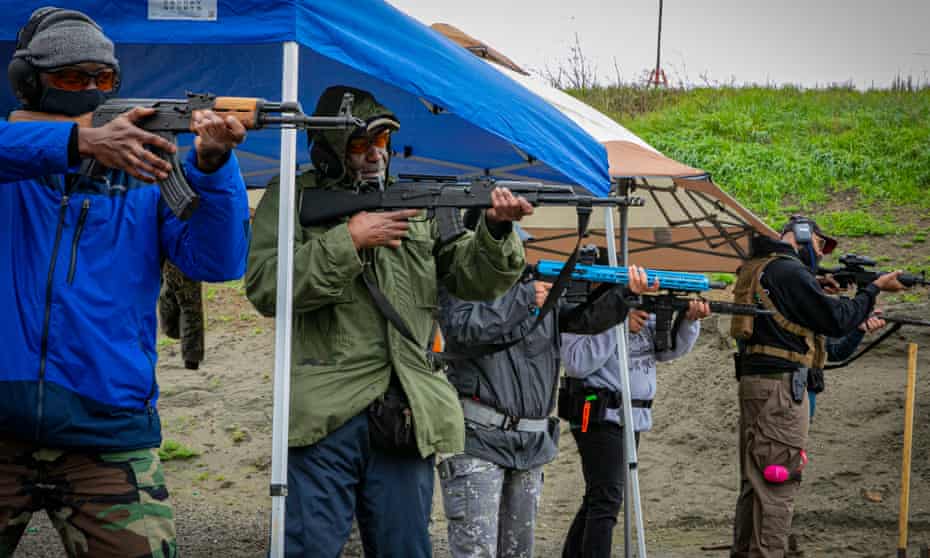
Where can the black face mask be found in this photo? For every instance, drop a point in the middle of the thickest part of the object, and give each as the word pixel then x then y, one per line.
pixel 70 103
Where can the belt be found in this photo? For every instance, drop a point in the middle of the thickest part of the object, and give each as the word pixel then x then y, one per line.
pixel 636 404
pixel 488 416
pixel 642 403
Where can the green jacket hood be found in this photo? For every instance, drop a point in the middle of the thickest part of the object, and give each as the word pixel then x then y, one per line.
pixel 328 147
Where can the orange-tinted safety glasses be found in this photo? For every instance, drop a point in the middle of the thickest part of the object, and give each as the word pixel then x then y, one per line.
pixel 73 79
pixel 361 144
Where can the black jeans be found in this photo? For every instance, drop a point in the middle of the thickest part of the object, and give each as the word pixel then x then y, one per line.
pixel 602 462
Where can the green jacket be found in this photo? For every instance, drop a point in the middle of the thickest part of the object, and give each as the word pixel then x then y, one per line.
pixel 343 348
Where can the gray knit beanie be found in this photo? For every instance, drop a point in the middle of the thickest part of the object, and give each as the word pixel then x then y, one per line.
pixel 66 37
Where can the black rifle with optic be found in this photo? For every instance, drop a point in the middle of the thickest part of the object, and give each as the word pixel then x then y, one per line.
pixel 853 271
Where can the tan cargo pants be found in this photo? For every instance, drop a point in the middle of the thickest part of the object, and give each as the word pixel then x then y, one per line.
pixel 772 431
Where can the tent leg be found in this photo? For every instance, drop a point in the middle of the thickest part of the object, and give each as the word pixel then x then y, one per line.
pixel 629 440
pixel 283 308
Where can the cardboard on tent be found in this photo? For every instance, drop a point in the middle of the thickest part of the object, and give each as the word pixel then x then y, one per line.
pixel 458 115
pixel 688 223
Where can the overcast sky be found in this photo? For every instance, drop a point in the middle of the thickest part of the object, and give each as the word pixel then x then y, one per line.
pixel 806 42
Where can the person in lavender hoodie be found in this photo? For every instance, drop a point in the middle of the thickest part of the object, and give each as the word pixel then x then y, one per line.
pixel 592 368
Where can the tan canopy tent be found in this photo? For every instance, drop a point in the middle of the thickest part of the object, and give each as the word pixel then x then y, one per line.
pixel 688 222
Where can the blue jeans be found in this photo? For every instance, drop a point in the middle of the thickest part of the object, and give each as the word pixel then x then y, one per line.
pixel 341 477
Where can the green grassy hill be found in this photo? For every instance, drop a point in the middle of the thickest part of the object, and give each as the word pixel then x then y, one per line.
pixel 859 161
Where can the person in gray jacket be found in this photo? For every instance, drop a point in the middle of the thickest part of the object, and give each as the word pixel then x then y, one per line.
pixel 491 492
pixel 593 369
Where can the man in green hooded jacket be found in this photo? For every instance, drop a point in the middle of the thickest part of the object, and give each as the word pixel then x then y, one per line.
pixel 368 410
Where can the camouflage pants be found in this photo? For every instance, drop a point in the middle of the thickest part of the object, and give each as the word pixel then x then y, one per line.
pixel 108 505
pixel 491 510
pixel 180 308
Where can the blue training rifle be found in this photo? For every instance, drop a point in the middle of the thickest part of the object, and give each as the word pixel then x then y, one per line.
pixel 668 308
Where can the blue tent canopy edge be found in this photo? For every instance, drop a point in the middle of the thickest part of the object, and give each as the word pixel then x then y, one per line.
pixel 458 115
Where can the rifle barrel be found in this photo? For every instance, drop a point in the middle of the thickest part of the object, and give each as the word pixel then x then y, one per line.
pixel 680 304
pixel 740 309
pixel 903 320
pixel 316 122
pixel 581 199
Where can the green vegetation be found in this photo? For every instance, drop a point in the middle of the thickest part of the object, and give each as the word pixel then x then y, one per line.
pixel 238 436
pixel 166 342
pixel 181 424
pixel 172 449
pixel 247 316
pixel 857 222
pixel 787 149
pixel 237 285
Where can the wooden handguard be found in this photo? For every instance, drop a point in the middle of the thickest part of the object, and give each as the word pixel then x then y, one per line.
pixel 243 109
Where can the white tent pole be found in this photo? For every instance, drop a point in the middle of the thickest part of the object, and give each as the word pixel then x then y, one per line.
pixel 627 485
pixel 283 308
pixel 631 477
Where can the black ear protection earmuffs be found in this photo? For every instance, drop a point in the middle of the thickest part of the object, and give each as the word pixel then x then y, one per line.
pixel 24 77
pixel 803 230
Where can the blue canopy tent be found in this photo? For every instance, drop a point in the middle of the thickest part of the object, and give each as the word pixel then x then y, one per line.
pixel 458 115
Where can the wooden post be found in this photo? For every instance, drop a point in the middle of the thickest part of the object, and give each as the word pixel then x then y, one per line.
pixel 906 459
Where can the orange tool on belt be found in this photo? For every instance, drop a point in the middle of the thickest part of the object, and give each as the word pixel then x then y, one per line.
pixel 586 412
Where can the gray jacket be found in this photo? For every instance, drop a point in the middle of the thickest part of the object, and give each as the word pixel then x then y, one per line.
pixel 594 359
pixel 520 381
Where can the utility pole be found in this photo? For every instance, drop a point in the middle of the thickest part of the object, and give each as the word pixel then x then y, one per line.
pixel 657 76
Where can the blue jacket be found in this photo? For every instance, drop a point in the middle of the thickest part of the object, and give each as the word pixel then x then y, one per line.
pixel 79 280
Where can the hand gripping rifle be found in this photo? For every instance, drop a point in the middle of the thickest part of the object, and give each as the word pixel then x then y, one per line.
pixel 853 272
pixel 174 116
pixel 669 308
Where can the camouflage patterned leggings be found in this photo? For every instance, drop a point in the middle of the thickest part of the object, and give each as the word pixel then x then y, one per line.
pixel 491 509
pixel 108 505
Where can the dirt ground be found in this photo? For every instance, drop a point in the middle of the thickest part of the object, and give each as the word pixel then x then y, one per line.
pixel 688 473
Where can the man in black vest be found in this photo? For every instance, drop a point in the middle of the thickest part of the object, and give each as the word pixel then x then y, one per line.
pixel 775 354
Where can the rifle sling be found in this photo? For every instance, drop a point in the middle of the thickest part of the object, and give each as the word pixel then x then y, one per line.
pixel 894 328
pixel 561 283
pixel 384 305
pixel 552 299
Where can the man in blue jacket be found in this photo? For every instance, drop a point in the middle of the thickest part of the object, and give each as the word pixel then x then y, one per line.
pixel 80 258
